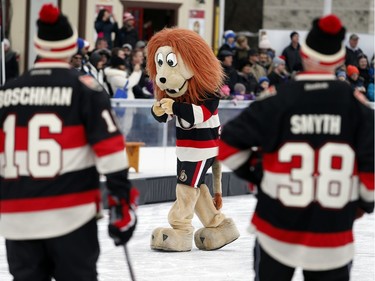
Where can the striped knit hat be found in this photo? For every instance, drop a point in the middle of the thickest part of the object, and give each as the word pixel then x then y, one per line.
pixel 324 42
pixel 55 37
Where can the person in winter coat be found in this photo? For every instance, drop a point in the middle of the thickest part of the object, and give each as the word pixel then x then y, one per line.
pixel 95 66
pixel 356 82
pixel 352 51
pixel 229 42
pixel 143 89
pixel 127 34
pixel 292 54
pixel 226 59
pixel 120 84
pixel 364 69
pixel 105 25
pixel 11 62
pixel 118 79
pixel 246 77
pixel 279 75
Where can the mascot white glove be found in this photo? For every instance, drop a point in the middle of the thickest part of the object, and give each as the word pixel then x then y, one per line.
pixel 156 108
pixel 167 105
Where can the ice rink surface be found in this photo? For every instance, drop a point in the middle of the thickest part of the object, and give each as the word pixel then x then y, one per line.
pixel 231 263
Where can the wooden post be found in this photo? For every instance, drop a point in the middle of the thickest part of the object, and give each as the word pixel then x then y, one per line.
pixel 132 150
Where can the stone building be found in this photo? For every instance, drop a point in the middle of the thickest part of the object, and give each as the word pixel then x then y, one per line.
pixel 357 16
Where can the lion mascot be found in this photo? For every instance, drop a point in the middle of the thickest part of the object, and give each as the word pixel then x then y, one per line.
pixel 186 76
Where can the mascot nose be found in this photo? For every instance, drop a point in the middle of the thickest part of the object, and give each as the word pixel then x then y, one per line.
pixel 162 80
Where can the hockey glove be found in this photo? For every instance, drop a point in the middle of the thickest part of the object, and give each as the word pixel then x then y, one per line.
pixel 252 169
pixel 122 217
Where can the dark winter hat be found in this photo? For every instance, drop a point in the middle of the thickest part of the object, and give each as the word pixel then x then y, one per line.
pixel 253 52
pixel 95 57
pixel 242 63
pixel 224 53
pixel 55 37
pixel 324 42
pixel 117 61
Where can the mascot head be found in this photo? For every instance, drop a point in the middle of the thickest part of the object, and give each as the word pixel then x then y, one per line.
pixel 183 66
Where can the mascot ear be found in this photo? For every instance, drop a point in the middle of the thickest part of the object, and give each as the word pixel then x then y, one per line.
pixel 184 69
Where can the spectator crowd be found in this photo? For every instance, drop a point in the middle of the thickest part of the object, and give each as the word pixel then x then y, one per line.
pixel 118 59
pixel 252 72
pixel 119 64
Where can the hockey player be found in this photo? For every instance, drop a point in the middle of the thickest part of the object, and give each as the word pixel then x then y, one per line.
pixel 56 133
pixel 317 143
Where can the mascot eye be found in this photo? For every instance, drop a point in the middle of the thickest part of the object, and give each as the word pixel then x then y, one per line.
pixel 159 59
pixel 171 60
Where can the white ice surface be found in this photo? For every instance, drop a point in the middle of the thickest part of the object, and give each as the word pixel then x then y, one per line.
pixel 231 263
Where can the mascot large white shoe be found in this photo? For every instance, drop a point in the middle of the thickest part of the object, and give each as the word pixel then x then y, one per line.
pixel 187 77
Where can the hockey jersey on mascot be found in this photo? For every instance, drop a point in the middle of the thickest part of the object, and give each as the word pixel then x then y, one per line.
pixel 186 75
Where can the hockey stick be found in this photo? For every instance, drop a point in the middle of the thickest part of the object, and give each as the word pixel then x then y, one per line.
pixel 129 264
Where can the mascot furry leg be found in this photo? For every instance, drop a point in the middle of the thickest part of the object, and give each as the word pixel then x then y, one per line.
pixel 179 237
pixel 218 230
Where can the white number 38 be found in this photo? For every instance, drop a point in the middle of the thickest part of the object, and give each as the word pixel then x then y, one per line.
pixel 316 178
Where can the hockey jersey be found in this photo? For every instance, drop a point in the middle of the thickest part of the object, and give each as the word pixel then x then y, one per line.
pixel 317 143
pixel 197 129
pixel 57 133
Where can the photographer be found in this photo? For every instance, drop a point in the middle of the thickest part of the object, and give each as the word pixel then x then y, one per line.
pixel 105 25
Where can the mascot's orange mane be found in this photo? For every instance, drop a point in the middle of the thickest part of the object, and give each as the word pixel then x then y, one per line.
pixel 197 56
